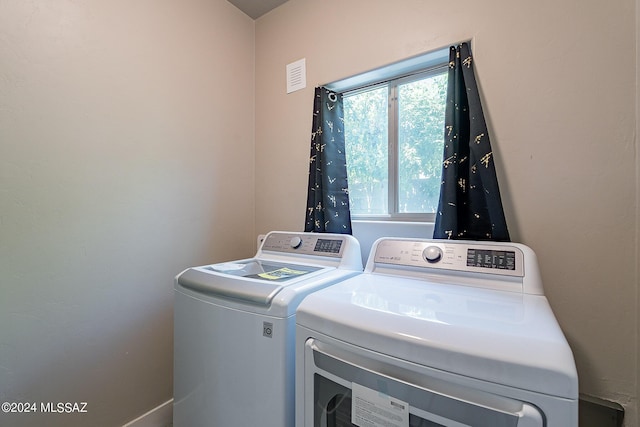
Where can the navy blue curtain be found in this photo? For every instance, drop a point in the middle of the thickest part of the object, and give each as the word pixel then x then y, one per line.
pixel 328 194
pixel 470 206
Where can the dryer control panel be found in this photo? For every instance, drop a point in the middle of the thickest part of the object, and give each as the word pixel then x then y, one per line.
pixel 483 257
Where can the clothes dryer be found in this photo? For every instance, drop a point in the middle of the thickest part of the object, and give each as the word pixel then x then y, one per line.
pixel 435 334
pixel 234 327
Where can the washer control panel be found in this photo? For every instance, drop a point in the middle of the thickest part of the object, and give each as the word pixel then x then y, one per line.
pixel 305 243
pixel 493 258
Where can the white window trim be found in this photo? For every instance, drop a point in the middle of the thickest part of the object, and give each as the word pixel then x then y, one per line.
pixel 429 62
pixel 405 67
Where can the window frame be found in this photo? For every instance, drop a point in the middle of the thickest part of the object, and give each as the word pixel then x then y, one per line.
pixel 392 76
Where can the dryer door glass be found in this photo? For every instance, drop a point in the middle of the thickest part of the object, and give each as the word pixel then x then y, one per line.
pixel 338 404
pixel 350 390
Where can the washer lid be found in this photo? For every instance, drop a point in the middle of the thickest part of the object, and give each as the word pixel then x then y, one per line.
pixel 502 337
pixel 253 280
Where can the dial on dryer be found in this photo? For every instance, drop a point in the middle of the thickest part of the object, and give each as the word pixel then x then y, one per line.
pixel 432 254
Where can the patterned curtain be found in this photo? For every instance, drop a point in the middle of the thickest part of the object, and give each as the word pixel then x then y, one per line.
pixel 470 206
pixel 328 194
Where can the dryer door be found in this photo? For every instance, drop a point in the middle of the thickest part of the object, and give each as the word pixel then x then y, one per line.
pixel 344 389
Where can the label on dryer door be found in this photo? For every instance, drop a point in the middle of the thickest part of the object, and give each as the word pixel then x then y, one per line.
pixel 371 408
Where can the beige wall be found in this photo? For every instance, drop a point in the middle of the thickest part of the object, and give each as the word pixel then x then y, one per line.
pixel 637 348
pixel 126 155
pixel 558 81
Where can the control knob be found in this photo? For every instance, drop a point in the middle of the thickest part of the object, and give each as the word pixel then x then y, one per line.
pixel 432 254
pixel 295 242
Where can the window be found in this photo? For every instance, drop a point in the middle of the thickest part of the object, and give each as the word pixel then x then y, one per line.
pixel 394 136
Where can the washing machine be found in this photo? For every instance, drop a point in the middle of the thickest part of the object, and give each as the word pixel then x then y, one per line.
pixel 234 327
pixel 435 333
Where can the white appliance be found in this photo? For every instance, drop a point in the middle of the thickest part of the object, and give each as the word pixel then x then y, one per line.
pixel 234 327
pixel 435 333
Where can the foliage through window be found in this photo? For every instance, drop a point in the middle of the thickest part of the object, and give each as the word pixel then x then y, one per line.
pixel 394 136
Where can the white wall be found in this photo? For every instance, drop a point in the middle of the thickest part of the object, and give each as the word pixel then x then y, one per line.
pixel 558 82
pixel 126 155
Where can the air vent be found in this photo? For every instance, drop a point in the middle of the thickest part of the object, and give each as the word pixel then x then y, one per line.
pixel 296 75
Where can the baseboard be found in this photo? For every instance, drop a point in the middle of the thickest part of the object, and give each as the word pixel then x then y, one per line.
pixel 160 416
